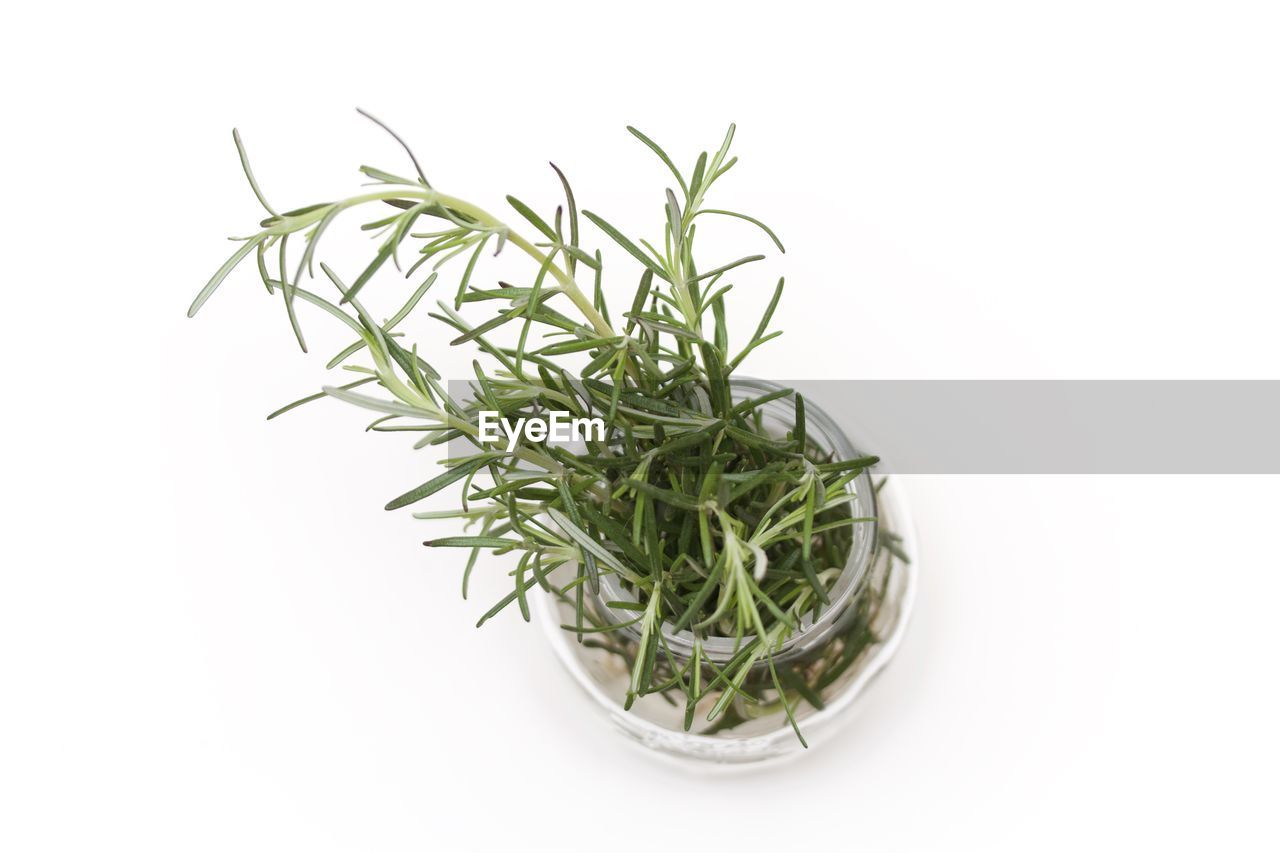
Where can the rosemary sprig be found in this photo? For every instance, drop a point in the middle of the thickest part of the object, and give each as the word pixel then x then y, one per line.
pixel 701 518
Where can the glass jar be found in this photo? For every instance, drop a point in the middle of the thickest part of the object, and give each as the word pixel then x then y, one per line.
pixel 825 664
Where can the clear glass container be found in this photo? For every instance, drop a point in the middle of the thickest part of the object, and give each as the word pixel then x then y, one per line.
pixel 832 659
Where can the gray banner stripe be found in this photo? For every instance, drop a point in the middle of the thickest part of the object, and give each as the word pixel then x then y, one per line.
pixel 1048 426
pixel 1059 427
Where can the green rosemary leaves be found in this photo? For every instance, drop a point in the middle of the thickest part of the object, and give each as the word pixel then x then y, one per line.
pixel 683 500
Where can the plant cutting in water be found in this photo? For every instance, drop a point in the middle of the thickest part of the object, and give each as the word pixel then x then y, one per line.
pixel 697 516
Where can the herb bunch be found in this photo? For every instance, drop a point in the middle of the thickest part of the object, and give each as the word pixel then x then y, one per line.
pixel 707 521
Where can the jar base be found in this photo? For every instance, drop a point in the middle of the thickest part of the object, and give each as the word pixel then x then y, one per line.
pixel 658 724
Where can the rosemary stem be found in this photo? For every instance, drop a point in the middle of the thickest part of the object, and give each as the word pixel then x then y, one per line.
pixel 567 284
pixel 481 216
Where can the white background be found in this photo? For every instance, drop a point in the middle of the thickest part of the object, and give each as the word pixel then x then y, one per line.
pixel 213 638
